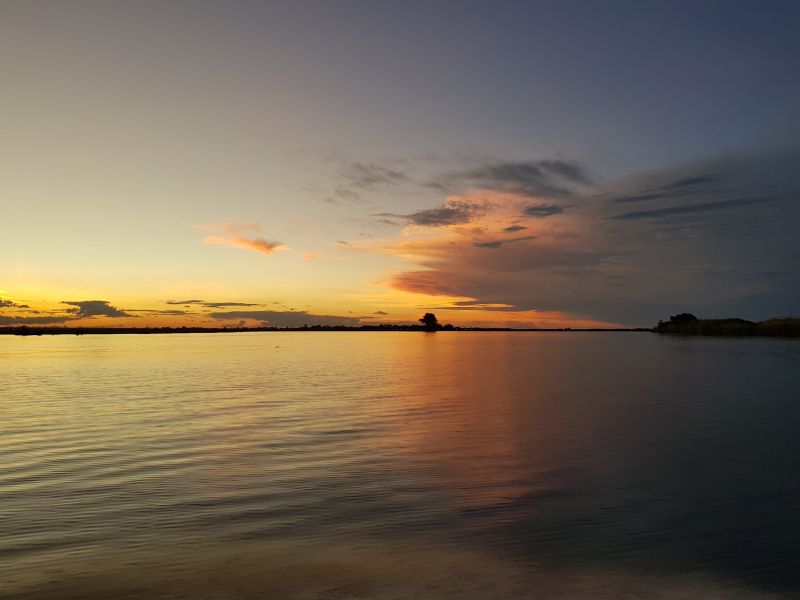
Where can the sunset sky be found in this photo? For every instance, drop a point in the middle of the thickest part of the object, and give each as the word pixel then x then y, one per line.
pixel 498 163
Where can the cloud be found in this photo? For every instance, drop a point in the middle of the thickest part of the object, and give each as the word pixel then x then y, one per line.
pixel 473 305
pixel 4 303
pixel 94 308
pixel 7 320
pixel 689 181
pixel 530 178
pixel 380 312
pixel 234 236
pixel 369 176
pixel 499 243
pixel 257 244
pixel 542 210
pixel 718 237
pixel 675 188
pixel 342 193
pixel 688 209
pixel 431 283
pixel 310 255
pixel 208 304
pixel 490 244
pixel 226 304
pixel 270 318
pixel 455 210
pixel 173 312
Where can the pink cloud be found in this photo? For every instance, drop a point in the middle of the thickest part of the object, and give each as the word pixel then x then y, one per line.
pixel 232 235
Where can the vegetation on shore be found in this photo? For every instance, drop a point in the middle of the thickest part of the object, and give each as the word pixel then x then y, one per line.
pixel 688 324
pixel 47 330
pixel 428 323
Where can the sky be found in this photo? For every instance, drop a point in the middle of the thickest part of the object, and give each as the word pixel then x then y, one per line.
pixel 522 164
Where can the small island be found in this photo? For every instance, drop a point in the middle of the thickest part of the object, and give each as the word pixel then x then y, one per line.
pixel 688 324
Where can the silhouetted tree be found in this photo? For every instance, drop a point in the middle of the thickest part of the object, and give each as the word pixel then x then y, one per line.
pixel 682 318
pixel 430 321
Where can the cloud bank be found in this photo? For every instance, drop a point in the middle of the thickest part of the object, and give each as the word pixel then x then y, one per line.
pixel 717 237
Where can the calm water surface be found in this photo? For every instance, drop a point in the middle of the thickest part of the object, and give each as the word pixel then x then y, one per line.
pixel 399 465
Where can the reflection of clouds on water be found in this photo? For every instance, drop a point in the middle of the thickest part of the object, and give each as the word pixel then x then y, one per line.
pixel 619 462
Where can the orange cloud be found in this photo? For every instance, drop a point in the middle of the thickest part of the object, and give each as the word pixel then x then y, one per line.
pixel 232 235
pixel 500 257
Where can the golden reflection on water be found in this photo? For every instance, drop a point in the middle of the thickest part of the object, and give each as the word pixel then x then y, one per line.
pixel 378 465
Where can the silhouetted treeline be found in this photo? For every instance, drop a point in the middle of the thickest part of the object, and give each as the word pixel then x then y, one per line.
pixel 688 324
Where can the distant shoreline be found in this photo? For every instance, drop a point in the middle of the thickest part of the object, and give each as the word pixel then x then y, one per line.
pixel 687 324
pixel 28 330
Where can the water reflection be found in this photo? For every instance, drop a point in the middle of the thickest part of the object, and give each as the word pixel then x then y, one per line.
pixel 618 461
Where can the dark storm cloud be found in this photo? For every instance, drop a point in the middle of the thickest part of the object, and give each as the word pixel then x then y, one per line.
pixel 94 308
pixel 687 209
pixel 543 210
pixel 532 178
pixel 271 318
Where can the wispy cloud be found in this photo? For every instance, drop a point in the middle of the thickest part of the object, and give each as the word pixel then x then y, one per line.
pixel 151 311
pixel 369 176
pixel 292 318
pixel 530 178
pixel 543 210
pixel 675 188
pixel 687 209
pixel 241 236
pixel 226 304
pixel 208 304
pixel 501 242
pixel 454 211
pixel 5 303
pixel 9 320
